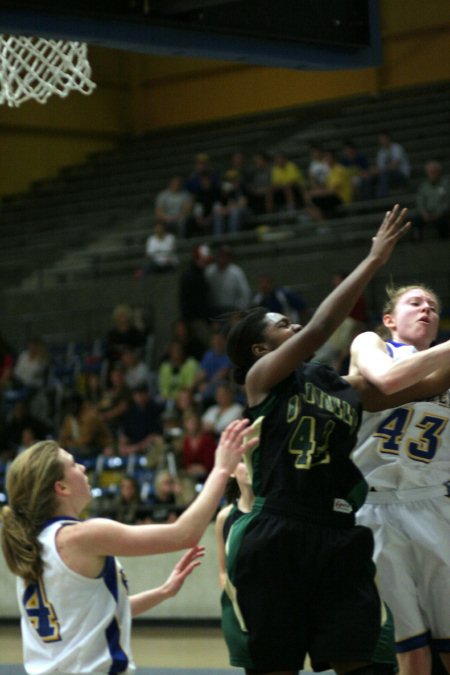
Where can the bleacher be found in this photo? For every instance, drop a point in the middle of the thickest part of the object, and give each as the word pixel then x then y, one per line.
pixel 91 221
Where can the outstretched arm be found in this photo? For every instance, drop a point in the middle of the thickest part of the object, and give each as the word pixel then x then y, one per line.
pixel 141 602
pixel 98 537
pixel 373 399
pixel 276 365
pixel 369 358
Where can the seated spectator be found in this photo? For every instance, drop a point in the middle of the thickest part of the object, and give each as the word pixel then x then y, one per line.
pixel 280 299
pixel 160 250
pixel 433 203
pixel 287 183
pixel 202 167
pixel 83 432
pixel 174 206
pixel 136 371
pixel 231 209
pixel 7 359
pixel 165 498
pixel 124 333
pixel 224 410
pixel 141 430
pixel 198 447
pixel 323 202
pixel 31 367
pixel 20 427
pixel 214 368
pixel 238 164
pixel 358 165
pixel 207 196
pixel 184 402
pixel 229 289
pixel 193 345
pixel 318 169
pixel 116 399
pixel 89 383
pixel 177 371
pixel 258 187
pixel 392 168
pixel 128 506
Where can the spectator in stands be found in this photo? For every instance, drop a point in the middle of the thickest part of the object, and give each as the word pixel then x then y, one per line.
pixel 228 286
pixel 225 409
pixel 193 346
pixel 177 371
pixel 238 164
pixel 358 165
pixel 433 203
pixel 184 402
pixel 323 202
pixel 7 358
pixel 82 431
pixel 20 427
pixel 280 299
pixel 136 370
pixel 31 367
pixel 318 169
pixel 116 400
pixel 160 250
pixel 198 447
pixel 128 506
pixel 258 187
pixel 214 368
pixel 207 196
pixel 174 206
pixel 123 334
pixel 141 430
pixel 89 384
pixel 287 183
pixel 202 167
pixel 231 209
pixel 165 497
pixel 392 168
pixel 193 290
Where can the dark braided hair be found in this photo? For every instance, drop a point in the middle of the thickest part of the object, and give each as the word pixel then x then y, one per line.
pixel 246 330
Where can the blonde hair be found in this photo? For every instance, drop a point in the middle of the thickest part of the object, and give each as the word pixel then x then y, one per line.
pixel 394 293
pixel 32 501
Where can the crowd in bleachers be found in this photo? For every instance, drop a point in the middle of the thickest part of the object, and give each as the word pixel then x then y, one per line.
pixel 208 202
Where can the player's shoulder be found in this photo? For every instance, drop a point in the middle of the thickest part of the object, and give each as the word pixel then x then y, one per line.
pixel 368 339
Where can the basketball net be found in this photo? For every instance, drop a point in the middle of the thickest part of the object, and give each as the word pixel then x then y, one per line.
pixel 36 68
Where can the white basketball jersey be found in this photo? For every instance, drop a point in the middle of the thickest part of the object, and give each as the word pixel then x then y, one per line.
pixel 405 447
pixel 71 623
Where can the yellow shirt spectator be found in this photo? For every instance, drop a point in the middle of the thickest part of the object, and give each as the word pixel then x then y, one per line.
pixel 339 180
pixel 288 174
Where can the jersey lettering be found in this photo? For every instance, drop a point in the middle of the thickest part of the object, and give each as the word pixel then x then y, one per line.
pixel 303 443
pixel 422 449
pixel 41 613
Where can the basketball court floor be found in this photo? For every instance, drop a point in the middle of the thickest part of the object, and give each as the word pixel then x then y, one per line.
pixel 168 650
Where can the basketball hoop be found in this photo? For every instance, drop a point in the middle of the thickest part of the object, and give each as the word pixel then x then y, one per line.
pixel 36 68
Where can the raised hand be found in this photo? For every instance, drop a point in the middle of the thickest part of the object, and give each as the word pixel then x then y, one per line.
pixel 232 445
pixel 182 569
pixel 391 230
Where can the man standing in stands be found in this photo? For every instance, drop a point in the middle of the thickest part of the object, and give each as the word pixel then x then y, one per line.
pixel 229 289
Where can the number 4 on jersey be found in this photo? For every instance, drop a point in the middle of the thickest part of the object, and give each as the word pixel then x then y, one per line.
pixel 41 613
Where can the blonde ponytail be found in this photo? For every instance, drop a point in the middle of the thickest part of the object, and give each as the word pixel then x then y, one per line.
pixel 32 501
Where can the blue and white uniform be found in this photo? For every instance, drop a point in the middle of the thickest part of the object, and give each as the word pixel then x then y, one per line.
pixel 404 455
pixel 72 623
